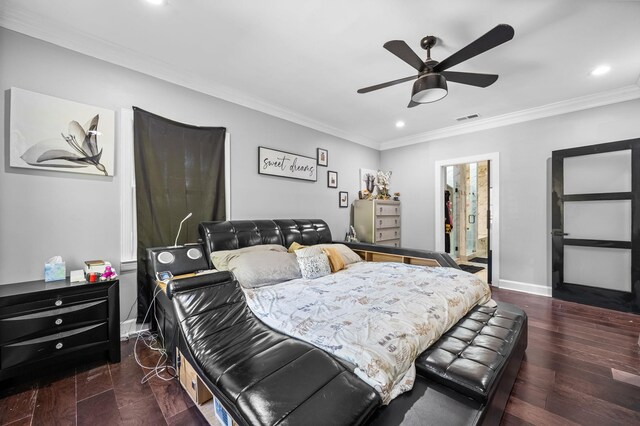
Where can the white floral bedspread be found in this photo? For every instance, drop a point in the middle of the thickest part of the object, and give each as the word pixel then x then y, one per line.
pixel 379 316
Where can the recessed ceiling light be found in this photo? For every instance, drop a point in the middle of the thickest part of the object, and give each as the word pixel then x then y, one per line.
pixel 601 70
pixel 157 2
pixel 399 124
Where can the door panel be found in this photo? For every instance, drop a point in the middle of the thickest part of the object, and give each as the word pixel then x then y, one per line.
pixel 613 173
pixel 452 176
pixel 598 220
pixel 595 220
pixel 489 210
pixel 472 209
pixel 598 267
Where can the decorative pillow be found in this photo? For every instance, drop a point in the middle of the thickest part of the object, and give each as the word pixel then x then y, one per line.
pixel 259 268
pixel 335 258
pixel 221 259
pixel 348 255
pixel 314 266
pixel 295 246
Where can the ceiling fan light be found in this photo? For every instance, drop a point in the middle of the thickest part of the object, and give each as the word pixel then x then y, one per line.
pixel 429 88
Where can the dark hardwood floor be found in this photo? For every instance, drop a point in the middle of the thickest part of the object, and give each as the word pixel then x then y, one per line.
pixel 99 393
pixel 582 367
pixel 567 376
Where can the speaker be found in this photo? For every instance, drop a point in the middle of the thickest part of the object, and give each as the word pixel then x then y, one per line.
pixel 177 260
pixel 166 257
pixel 194 253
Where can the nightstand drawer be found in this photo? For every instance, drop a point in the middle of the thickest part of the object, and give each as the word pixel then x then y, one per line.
pixel 60 301
pixel 51 345
pixel 387 234
pixel 387 222
pixel 52 320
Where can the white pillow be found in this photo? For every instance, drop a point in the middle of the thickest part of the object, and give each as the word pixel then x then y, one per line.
pixel 221 259
pixel 259 268
pixel 314 265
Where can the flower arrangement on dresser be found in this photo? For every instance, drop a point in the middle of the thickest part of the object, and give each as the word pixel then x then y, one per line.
pixel 380 181
pixel 383 185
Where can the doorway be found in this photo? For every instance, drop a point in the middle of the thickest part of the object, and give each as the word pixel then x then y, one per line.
pixel 466 226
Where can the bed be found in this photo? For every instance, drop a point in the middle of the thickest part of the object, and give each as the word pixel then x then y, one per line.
pixel 377 316
pixel 367 325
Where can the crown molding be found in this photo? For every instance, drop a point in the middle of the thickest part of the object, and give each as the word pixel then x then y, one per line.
pixel 622 94
pixel 39 27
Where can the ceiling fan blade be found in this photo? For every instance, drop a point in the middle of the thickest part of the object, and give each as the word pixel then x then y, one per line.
pixel 404 52
pixel 500 34
pixel 470 78
pixel 387 84
pixel 412 104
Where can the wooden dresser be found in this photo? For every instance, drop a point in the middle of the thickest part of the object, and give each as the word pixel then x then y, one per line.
pixel 377 221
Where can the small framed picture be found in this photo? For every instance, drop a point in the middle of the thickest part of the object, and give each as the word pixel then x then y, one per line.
pixel 344 199
pixel 323 157
pixel 332 179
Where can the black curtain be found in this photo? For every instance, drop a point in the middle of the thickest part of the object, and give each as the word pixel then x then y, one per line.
pixel 179 170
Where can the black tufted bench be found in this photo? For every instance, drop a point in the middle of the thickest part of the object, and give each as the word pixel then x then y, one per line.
pixel 473 354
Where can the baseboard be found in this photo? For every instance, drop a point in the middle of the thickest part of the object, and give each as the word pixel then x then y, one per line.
pixel 540 290
pixel 130 328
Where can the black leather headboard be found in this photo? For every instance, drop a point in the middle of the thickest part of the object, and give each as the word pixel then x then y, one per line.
pixel 234 234
pixel 304 231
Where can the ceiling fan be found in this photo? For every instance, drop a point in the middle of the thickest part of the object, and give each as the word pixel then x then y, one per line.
pixel 431 83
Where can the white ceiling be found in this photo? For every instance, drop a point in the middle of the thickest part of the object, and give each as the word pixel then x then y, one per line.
pixel 304 60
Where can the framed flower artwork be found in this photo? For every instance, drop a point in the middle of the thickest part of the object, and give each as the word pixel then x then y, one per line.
pixel 49 133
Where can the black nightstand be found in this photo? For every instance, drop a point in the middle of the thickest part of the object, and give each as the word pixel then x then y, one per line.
pixel 42 324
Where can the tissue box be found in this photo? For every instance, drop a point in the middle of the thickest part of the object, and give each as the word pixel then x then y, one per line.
pixel 54 271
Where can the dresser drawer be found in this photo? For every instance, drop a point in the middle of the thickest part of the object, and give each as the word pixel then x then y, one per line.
pixel 58 343
pixel 387 210
pixel 387 234
pixel 52 319
pixel 389 243
pixel 387 222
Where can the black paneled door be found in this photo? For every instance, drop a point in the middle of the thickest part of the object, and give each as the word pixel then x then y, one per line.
pixel 596 225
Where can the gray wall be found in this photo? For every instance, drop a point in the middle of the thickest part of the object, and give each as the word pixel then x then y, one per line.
pixel 78 217
pixel 524 150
